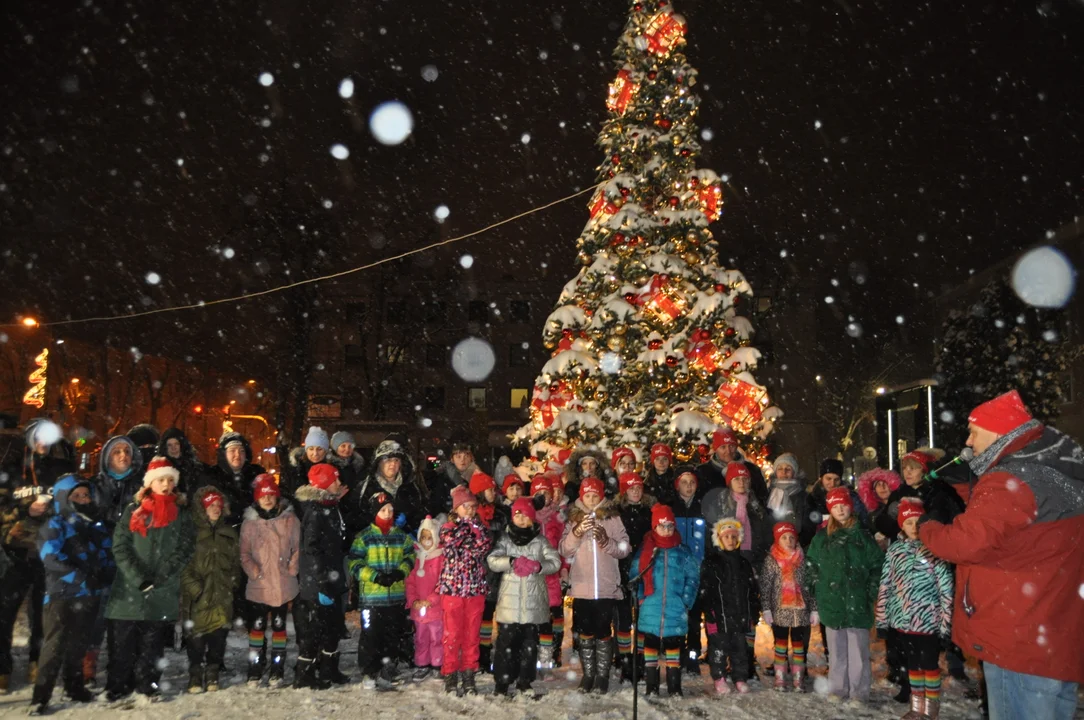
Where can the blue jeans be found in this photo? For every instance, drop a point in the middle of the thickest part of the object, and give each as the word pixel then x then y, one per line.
pixel 1014 695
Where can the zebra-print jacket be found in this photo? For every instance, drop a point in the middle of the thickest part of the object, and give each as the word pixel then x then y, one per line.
pixel 916 591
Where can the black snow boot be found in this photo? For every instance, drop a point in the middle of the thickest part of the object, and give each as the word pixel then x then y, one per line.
pixel 467 676
pixel 651 681
pixel 673 682
pixel 305 676
pixel 329 669
pixel 604 660
pixel 451 683
pixel 588 662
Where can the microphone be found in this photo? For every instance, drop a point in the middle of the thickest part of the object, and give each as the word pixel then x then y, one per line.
pixel 966 455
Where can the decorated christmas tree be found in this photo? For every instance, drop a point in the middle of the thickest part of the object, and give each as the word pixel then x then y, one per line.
pixel 649 340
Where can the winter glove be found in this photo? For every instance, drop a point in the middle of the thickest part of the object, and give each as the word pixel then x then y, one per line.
pixel 325 600
pixel 814 618
pixel 713 629
pixel 146 586
pixel 524 566
pixel 383 579
pixel 400 520
pixel 395 576
pixel 600 535
pixel 767 615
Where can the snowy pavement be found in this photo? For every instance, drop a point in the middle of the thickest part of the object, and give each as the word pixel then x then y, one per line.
pixel 426 700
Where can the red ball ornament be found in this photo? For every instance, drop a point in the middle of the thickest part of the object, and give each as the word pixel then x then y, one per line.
pixel 616 159
pixel 674 201
pixel 625 192
pixel 664 123
pixel 638 7
pixel 610 174
pixel 729 332
pixel 619 237
pixel 685 152
pixel 652 75
pixel 694 181
pixel 671 361
pixel 719 287
pixel 654 344
pixel 630 298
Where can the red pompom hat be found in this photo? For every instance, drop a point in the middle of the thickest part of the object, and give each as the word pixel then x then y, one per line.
pixel 1001 415
pixel 627 480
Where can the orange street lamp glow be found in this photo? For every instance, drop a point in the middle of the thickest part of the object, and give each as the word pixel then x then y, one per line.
pixel 30 322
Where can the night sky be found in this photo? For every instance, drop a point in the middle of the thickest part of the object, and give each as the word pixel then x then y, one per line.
pixel 879 144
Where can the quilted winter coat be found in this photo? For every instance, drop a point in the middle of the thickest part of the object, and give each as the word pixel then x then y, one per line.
pixel 271 554
pixel 676 577
pixel 213 573
pixel 374 552
pixel 594 570
pixel 523 600
pixel 771 594
pixel 916 591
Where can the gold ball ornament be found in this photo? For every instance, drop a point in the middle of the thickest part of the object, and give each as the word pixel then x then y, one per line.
pixel 683 451
pixel 691 258
pixel 615 343
pixel 659 406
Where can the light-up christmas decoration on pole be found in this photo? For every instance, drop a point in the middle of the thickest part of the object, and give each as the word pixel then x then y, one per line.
pixel 35 396
pixel 648 344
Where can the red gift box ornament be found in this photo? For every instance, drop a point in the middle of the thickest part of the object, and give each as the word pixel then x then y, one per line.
pixel 711 201
pixel 622 90
pixel 702 353
pixel 601 208
pixel 663 299
pixel 664 31
pixel 547 402
pixel 740 402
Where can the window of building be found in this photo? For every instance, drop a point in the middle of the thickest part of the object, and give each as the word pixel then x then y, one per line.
pixel 476 398
pixel 519 311
pixel 433 397
pixel 478 311
pixel 520 398
pixel 435 355
pixel 518 354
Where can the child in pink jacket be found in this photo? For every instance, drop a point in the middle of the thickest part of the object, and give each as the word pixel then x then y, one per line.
pixel 423 600
pixel 270 556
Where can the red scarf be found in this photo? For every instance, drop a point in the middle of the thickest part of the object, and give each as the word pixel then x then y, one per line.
pixel 160 509
pixel 485 512
pixel 791 594
pixel 645 567
pixel 383 525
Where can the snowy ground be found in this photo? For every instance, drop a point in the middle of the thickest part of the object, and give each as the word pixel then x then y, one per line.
pixel 426 700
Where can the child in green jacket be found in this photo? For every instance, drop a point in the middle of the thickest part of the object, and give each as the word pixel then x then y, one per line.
pixel 380 558
pixel 844 566
pixel 207 586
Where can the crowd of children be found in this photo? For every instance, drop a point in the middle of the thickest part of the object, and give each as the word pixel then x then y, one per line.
pixel 494 572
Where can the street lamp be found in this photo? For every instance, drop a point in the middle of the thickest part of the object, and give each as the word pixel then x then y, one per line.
pixel 29 322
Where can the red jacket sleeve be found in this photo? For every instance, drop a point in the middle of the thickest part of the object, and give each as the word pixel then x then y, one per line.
pixel 1000 507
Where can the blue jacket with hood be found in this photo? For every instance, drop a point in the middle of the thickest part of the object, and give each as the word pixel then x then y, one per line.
pixel 74 547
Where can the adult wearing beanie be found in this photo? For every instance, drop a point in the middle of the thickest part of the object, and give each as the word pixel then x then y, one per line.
pixel 234 473
pixel 1018 561
pixel 712 474
pixel 313 451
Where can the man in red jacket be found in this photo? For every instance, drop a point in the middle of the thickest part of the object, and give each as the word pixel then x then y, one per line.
pixel 1019 563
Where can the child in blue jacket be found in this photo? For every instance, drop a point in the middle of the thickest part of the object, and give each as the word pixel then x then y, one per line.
pixel 670 576
pixel 74 546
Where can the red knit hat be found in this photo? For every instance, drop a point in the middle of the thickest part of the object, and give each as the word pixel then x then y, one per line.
pixel 592 485
pixel 839 496
pixel 782 528
pixel 211 498
pixel 723 436
pixel 627 480
pixel 620 453
pixel 523 506
pixel 918 457
pixel 1001 415
pixel 323 475
pixel 264 485
pixel 539 483
pixel 909 507
pixel 661 513
pixel 480 482
pixel 509 481
pixel 661 450
pixel 737 469
pixel 160 467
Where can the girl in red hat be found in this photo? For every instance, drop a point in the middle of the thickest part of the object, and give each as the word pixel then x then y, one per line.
pixel 915 599
pixel 548 515
pixel 845 571
pixel 789 607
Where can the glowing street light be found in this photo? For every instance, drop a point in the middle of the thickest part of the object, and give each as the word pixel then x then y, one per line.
pixel 75 381
pixel 29 322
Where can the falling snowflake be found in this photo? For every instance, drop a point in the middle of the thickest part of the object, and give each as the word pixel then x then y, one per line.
pixel 339 151
pixel 153 278
pixel 267 79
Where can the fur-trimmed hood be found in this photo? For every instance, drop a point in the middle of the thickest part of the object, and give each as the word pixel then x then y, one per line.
pixel 199 513
pixel 107 448
pixel 311 493
pixel 727 521
pixel 870 478
pixel 573 467
pixel 225 440
pixel 188 453
pixel 603 511
pixel 284 508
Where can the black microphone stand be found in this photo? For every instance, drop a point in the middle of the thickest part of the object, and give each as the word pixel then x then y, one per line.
pixel 633 585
